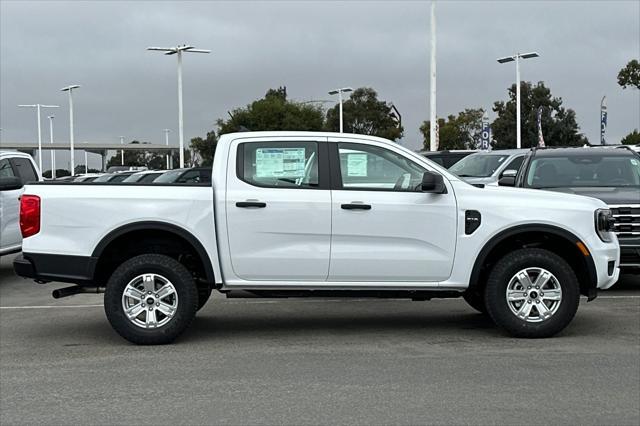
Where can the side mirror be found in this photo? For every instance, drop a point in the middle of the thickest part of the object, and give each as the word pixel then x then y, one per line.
pixel 10 183
pixel 433 183
pixel 507 181
pixel 509 173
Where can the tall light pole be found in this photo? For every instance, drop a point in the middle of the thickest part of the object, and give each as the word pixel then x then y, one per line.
pixel 173 51
pixel 70 90
pixel 53 151
pixel 517 58
pixel 166 141
pixel 339 92
pixel 122 151
pixel 38 107
pixel 433 124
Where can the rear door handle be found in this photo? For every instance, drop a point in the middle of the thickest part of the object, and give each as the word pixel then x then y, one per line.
pixel 356 206
pixel 250 204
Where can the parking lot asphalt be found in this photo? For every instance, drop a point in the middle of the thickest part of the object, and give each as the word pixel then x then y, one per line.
pixel 304 361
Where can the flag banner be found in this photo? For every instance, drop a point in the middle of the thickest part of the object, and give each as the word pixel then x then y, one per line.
pixel 603 120
pixel 540 136
pixel 485 136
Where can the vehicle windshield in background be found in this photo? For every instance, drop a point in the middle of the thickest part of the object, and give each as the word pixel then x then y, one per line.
pixel 142 178
pixel 584 171
pixel 478 165
pixel 169 177
pixel 103 178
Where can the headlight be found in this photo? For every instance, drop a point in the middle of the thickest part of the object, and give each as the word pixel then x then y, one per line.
pixel 605 225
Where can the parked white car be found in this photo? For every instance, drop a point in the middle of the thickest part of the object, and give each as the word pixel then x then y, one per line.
pixel 295 214
pixel 487 168
pixel 16 169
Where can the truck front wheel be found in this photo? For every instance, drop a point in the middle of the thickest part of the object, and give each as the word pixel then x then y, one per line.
pixel 151 299
pixel 532 293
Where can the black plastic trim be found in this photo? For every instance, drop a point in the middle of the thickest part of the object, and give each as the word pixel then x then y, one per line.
pixel 160 226
pixel 56 267
pixel 497 239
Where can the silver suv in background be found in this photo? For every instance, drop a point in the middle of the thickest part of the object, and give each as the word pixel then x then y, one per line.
pixel 487 167
pixel 16 169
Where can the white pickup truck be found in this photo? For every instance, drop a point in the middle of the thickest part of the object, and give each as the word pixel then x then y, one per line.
pixel 296 214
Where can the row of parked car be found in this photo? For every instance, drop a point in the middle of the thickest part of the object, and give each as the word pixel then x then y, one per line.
pixel 186 175
pixel 610 173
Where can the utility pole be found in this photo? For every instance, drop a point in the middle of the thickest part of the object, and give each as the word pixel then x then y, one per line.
pixel 53 151
pixel 172 51
pixel 38 107
pixel 70 90
pixel 166 140
pixel 339 92
pixel 433 125
pixel 517 58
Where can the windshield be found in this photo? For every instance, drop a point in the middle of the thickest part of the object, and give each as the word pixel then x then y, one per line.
pixel 169 177
pixel 103 178
pixel 582 171
pixel 134 177
pixel 478 165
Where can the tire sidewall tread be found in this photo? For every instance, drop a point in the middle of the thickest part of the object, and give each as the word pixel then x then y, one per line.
pixel 506 268
pixel 163 265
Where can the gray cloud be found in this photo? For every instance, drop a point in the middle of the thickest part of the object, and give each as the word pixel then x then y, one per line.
pixel 310 47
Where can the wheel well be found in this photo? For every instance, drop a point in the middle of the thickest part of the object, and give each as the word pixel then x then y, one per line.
pixel 135 242
pixel 562 244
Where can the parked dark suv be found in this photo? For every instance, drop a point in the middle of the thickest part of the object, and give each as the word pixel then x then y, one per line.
pixel 611 174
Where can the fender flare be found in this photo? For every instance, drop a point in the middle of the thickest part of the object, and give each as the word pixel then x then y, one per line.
pixel 159 226
pixel 519 229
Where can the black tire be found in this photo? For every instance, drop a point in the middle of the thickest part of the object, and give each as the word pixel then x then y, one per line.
pixel 507 267
pixel 167 267
pixel 475 299
pixel 203 296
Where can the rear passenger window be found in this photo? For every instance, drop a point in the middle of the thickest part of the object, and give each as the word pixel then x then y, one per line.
pixel 279 164
pixel 25 169
pixel 5 169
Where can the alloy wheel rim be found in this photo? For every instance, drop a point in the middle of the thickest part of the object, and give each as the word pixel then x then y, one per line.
pixel 534 294
pixel 149 301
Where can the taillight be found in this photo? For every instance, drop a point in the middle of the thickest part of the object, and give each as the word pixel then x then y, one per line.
pixel 29 215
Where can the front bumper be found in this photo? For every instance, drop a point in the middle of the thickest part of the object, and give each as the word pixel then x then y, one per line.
pixel 630 254
pixel 606 258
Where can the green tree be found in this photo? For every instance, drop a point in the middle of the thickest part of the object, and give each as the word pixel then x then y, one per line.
pixel 137 158
pixel 632 138
pixel 364 114
pixel 629 76
pixel 559 125
pixel 205 148
pixel 59 173
pixel 273 112
pixel 460 131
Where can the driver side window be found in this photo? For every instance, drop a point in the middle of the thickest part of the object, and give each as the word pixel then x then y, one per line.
pixel 377 169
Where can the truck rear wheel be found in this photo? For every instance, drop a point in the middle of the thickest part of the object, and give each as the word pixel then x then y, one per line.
pixel 151 299
pixel 532 293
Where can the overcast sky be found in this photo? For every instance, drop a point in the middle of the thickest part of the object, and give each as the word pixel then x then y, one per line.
pixel 309 47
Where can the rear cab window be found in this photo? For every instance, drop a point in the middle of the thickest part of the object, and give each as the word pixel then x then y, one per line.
pixel 279 164
pixel 26 171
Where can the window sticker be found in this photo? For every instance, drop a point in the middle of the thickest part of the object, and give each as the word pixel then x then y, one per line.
pixel 357 165
pixel 634 161
pixel 280 162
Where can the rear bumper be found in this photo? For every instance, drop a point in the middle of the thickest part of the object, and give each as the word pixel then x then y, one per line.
pixel 55 267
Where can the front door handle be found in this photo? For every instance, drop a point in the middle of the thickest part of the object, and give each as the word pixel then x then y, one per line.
pixel 356 206
pixel 250 204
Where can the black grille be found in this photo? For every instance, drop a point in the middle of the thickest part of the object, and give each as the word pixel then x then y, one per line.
pixel 627 221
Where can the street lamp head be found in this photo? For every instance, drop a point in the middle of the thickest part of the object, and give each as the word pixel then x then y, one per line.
pixel 529 55
pixel 506 59
pixel 174 50
pixel 69 88
pixel 341 90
